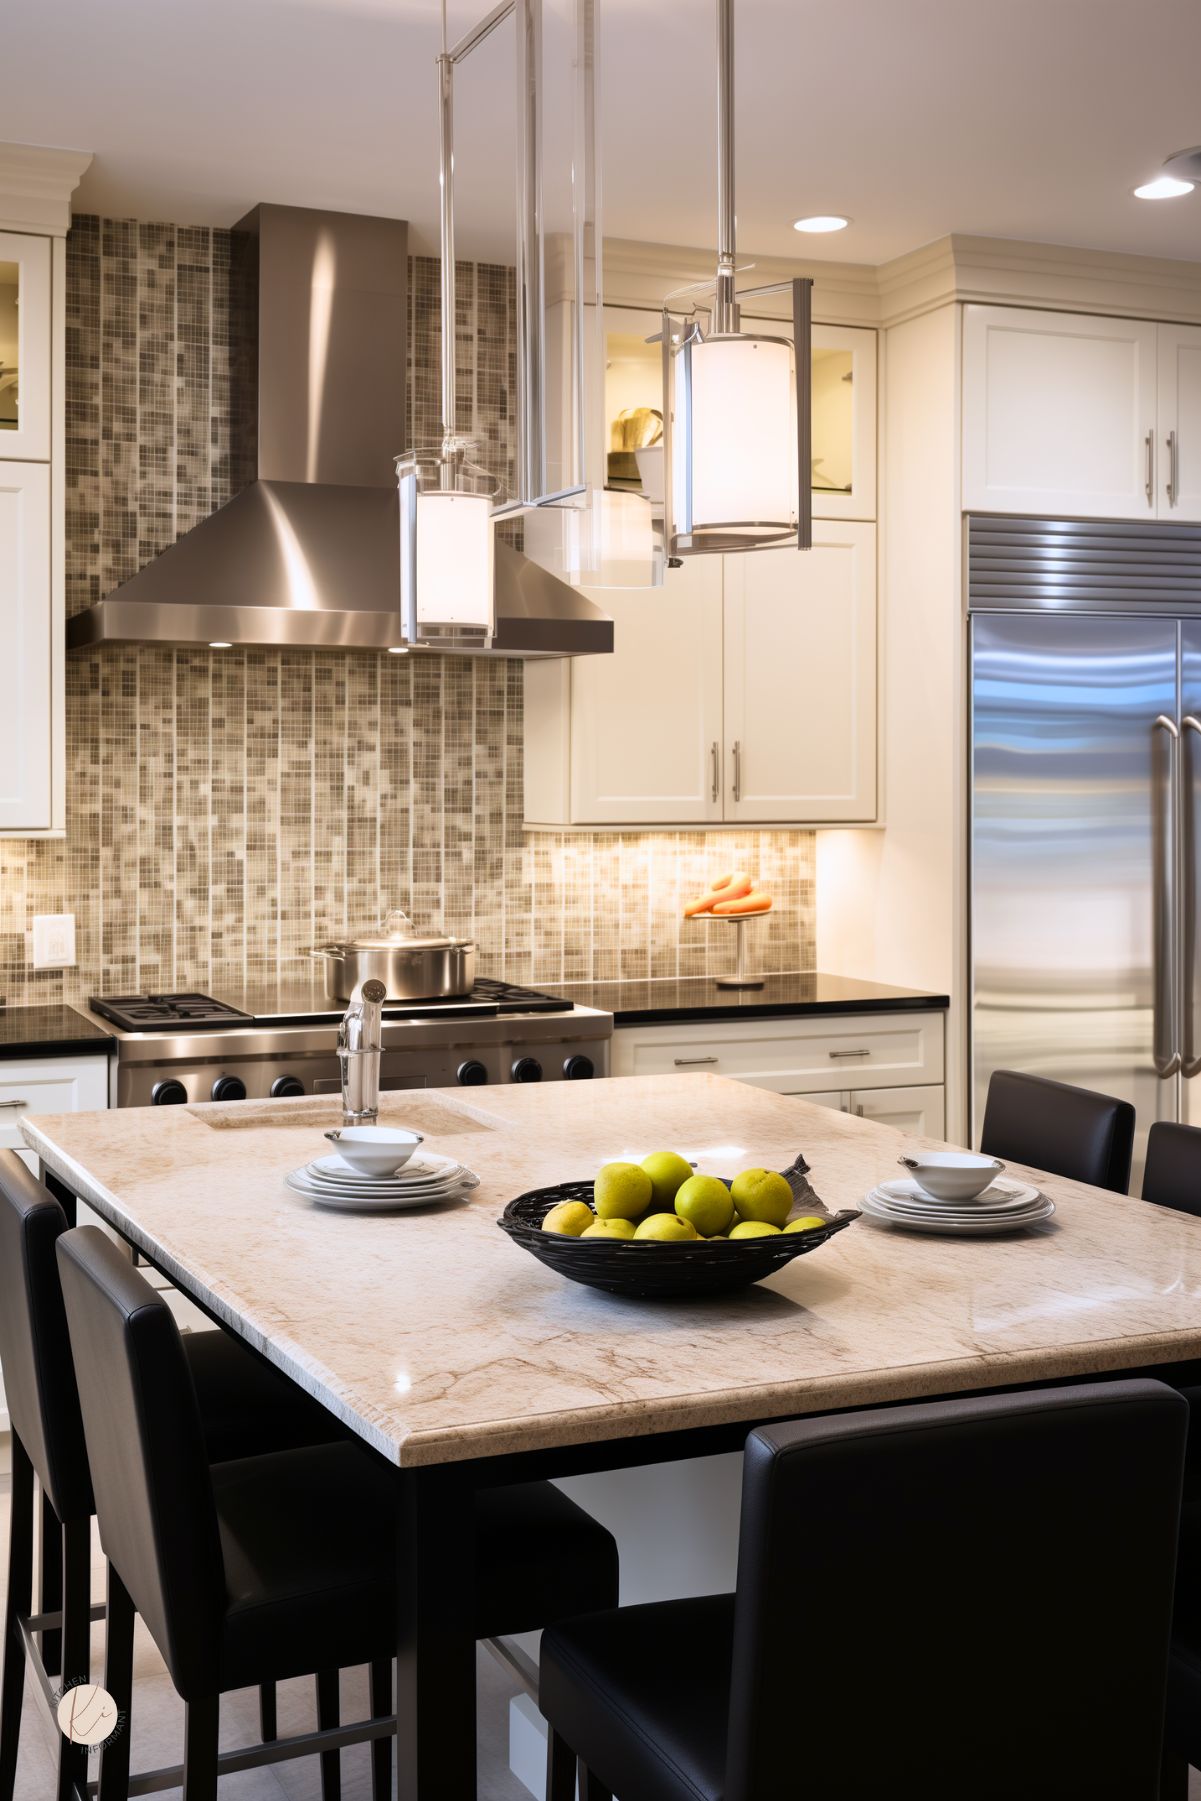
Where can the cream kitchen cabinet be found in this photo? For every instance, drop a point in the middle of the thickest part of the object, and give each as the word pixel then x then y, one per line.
pixel 800 1055
pixel 25 347
pixel 1081 415
pixel 920 1111
pixel 34 1085
pixel 1179 421
pixel 27 693
pixel 800 681
pixel 32 703
pixel 743 692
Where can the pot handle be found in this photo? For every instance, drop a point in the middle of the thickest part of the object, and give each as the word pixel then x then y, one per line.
pixel 324 951
pixel 396 924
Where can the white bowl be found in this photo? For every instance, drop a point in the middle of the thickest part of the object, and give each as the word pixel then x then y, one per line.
pixel 374 1150
pixel 952 1175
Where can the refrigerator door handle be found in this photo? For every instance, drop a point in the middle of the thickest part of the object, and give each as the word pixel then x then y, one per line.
pixel 1164 1053
pixel 1190 1062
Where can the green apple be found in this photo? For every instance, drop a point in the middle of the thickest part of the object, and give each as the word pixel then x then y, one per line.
pixel 761 1194
pixel 667 1227
pixel 610 1228
pixel 621 1191
pixel 571 1217
pixel 668 1173
pixel 705 1203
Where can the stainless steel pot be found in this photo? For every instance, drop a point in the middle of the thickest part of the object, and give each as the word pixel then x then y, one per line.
pixel 412 966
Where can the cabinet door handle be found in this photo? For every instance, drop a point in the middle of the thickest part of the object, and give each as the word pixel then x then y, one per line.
pixel 688 1062
pixel 1173 483
pixel 716 787
pixel 1149 444
pixel 17 1103
pixel 737 770
pixel 835 1055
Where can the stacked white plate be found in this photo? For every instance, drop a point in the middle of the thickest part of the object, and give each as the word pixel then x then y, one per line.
pixel 1004 1206
pixel 426 1180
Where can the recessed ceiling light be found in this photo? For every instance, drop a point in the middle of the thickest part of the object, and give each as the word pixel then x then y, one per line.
pixel 821 222
pixel 220 644
pixel 1164 187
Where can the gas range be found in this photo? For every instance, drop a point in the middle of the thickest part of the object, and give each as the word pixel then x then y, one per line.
pixel 279 1040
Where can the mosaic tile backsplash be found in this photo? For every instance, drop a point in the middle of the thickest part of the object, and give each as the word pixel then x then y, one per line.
pixel 226 809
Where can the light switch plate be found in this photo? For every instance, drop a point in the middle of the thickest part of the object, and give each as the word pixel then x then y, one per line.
pixel 53 940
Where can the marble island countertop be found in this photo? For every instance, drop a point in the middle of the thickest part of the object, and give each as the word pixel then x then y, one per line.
pixel 437 1339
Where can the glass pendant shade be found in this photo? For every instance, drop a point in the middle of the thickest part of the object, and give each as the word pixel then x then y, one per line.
pixel 447 552
pixel 732 444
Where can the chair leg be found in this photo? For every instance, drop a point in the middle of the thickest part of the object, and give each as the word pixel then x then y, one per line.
pixel 590 1788
pixel 50 1585
pixel 76 1584
pixel 268 1713
pixel 118 1680
pixel 328 1715
pixel 381 1748
pixel 560 1767
pixel 17 1602
pixel 201 1721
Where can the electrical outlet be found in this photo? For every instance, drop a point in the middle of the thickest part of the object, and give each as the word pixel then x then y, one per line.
pixel 53 940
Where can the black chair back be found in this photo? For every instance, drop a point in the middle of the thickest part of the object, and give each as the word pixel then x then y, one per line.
pixel 931 1602
pixel 1067 1131
pixel 1172 1177
pixel 39 1377
pixel 145 1444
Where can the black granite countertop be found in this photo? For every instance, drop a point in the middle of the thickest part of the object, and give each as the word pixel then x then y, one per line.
pixel 664 1002
pixel 50 1031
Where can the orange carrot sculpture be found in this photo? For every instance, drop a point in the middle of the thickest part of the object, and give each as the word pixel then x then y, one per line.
pixel 755 902
pixel 725 888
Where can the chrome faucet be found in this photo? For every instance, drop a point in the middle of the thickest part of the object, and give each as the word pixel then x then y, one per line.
pixel 360 1042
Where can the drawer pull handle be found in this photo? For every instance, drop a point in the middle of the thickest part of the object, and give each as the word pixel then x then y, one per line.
pixel 835 1055
pixel 17 1103
pixel 688 1062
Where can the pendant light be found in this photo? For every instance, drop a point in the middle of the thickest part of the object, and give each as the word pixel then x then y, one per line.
pixel 448 502
pixel 736 455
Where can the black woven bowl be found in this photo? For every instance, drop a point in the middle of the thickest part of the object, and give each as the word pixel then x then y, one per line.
pixel 648 1270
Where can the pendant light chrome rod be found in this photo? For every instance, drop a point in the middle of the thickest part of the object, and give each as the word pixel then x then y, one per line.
pixel 531 360
pixel 725 317
pixel 446 155
pixel 484 29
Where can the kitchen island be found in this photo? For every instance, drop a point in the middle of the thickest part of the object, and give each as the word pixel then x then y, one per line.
pixel 462 1361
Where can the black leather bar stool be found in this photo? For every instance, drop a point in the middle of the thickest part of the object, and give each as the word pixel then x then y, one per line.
pixel 244 1405
pixel 1172 1177
pixel 930 1603
pixel 268 1567
pixel 1067 1131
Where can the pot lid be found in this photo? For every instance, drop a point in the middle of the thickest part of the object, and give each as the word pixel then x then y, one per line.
pixel 396 931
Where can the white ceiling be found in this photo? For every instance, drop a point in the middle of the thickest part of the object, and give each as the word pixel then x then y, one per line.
pixel 1008 118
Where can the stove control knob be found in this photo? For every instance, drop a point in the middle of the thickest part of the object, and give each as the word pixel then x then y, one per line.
pixel 229 1088
pixel 168 1094
pixel 579 1069
pixel 284 1086
pixel 527 1069
pixel 472 1074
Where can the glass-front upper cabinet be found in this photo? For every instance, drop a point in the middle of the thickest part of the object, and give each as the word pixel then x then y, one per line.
pixel 843 399
pixel 24 348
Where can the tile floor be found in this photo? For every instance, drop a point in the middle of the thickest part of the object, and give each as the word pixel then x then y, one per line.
pixel 157 1722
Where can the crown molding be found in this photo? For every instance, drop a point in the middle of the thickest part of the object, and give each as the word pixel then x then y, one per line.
pixel 641 274
pixel 999 271
pixel 1089 281
pixel 36 185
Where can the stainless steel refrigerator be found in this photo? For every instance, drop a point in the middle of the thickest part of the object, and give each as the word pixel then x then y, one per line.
pixel 1086 809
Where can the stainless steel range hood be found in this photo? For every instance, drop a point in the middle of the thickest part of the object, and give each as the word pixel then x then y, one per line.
pixel 307 553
